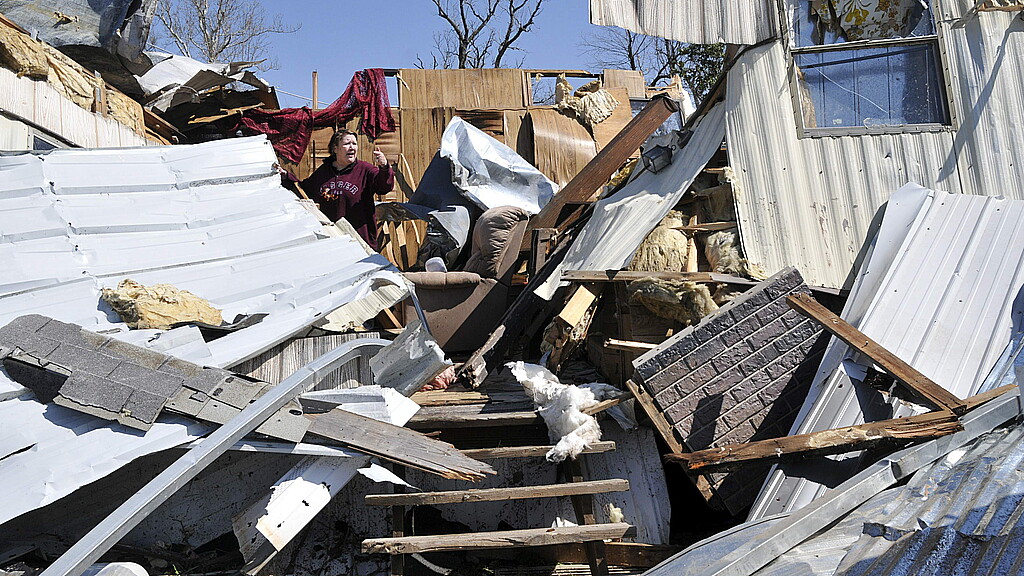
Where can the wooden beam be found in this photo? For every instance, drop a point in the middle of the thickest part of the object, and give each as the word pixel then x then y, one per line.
pixel 627 554
pixel 397 444
pixel 531 451
pixel 920 384
pixel 501 539
pixel 835 441
pixel 597 172
pixel 498 494
pixel 629 276
pixel 709 227
pixel 826 442
pixel 628 345
pixel 606 404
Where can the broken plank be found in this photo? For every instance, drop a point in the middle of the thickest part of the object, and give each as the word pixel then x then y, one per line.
pixel 823 443
pixel 397 444
pixel 498 494
pixel 606 404
pixel 628 345
pixel 531 451
pixel 920 384
pixel 627 554
pixel 630 276
pixel 836 441
pixel 709 227
pixel 500 539
pixel 597 172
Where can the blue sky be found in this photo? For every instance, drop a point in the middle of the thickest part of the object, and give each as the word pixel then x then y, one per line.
pixel 339 37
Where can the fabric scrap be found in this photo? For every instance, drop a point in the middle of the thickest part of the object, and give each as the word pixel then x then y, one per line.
pixel 290 129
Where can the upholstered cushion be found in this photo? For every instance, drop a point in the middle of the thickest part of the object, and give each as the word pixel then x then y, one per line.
pixel 491 239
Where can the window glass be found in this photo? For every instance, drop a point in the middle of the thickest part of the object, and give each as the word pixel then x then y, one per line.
pixel 41 144
pixel 871 87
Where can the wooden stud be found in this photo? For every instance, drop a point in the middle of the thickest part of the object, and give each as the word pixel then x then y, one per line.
pixel 530 451
pixel 501 539
pixel 630 276
pixel 918 383
pixel 825 442
pixel 628 345
pixel 498 494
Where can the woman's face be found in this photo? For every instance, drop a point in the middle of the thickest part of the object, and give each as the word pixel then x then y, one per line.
pixel 345 151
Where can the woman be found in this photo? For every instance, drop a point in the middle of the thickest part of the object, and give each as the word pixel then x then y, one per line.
pixel 345 187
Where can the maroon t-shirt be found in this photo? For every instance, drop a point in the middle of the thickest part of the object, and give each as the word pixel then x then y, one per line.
pixel 348 193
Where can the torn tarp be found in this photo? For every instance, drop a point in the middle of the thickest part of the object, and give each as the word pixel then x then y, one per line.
pixel 490 173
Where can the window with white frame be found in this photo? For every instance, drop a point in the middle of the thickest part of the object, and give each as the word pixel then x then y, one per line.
pixel 867 64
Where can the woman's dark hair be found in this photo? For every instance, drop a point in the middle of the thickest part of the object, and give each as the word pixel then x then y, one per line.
pixel 336 139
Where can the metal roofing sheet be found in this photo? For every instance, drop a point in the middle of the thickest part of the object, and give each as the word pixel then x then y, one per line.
pixel 620 222
pixel 210 218
pixel 964 487
pixel 693 21
pixel 940 290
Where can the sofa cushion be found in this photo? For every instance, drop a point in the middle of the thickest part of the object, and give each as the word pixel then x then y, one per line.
pixel 491 239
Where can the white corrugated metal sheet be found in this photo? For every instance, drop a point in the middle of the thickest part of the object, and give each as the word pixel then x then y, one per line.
pixel 986 64
pixel 693 21
pixel 210 218
pixel 808 202
pixel 620 222
pixel 939 290
pixel 41 104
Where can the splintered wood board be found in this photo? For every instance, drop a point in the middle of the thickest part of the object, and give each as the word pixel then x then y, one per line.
pixel 466 89
pixel 421 136
pixel 561 145
pixel 612 125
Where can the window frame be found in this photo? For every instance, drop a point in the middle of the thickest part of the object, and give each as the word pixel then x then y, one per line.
pixel 787 11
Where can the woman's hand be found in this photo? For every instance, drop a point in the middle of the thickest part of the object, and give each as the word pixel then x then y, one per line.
pixel 379 158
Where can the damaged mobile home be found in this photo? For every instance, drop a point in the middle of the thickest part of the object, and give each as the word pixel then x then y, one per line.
pixel 777 331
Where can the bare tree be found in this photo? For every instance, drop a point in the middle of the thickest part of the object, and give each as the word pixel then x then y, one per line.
pixel 610 47
pixel 221 30
pixel 481 33
pixel 698 65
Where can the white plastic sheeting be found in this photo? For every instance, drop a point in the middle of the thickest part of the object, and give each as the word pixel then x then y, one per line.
pixel 490 173
pixel 620 222
pixel 691 21
pixel 209 218
pixel 940 289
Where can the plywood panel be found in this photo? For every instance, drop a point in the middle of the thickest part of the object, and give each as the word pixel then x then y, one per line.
pixel 17 94
pixel 519 133
pixel 605 131
pixel 421 136
pixel 466 89
pixel 631 80
pixel 561 145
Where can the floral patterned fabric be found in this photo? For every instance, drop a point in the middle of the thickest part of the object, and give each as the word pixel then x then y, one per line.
pixel 866 19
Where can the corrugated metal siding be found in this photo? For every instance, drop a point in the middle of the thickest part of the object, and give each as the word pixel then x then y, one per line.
pixel 40 103
pixel 694 21
pixel 986 57
pixel 809 202
pixel 944 301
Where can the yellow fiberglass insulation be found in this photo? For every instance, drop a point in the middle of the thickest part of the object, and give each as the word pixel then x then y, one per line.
pixel 664 249
pixel 723 253
pixel 685 302
pixel 158 306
